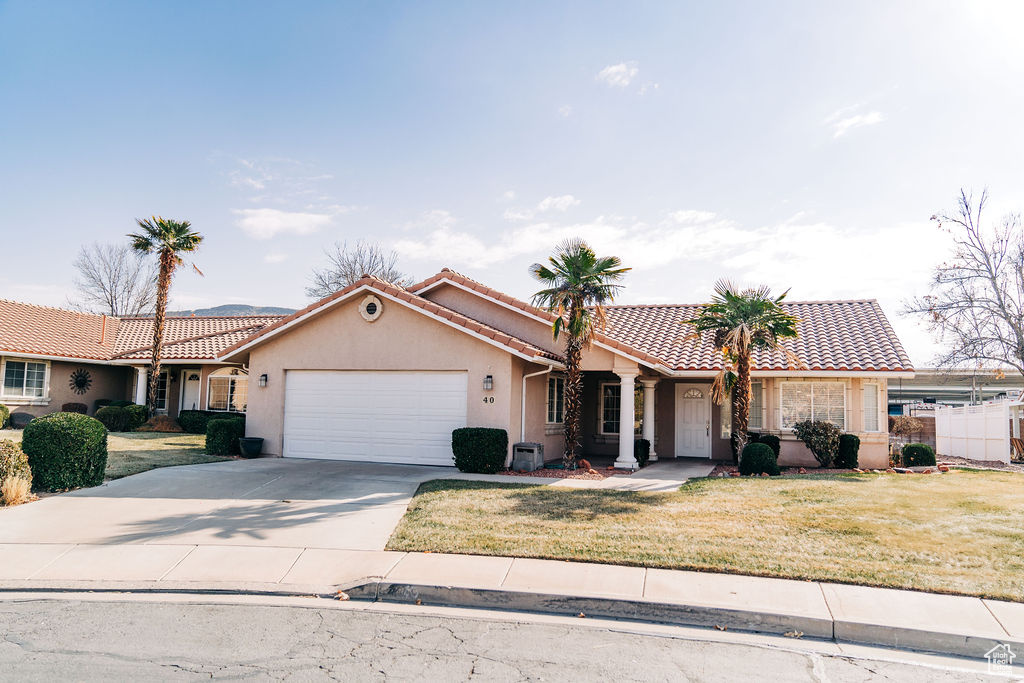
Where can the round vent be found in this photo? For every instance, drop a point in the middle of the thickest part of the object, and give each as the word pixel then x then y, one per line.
pixel 370 308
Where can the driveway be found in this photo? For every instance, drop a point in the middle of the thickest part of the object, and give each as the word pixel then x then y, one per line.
pixel 264 502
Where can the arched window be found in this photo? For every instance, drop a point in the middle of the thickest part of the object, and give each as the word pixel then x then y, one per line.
pixel 693 393
pixel 228 390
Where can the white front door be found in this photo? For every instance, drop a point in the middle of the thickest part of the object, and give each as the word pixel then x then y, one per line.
pixel 190 383
pixel 693 421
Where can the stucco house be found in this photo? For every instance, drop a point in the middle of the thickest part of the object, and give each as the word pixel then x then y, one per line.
pixel 382 373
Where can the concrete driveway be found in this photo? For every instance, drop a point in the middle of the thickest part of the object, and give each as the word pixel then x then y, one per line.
pixel 265 502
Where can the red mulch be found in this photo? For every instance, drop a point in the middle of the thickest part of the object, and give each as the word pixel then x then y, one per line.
pixel 596 473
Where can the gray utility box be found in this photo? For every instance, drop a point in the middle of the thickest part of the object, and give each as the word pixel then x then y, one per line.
pixel 527 456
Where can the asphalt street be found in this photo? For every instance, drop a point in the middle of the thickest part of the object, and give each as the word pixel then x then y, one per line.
pixel 163 638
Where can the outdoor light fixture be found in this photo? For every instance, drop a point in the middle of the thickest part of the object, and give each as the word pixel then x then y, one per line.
pixel 488 383
pixel 263 380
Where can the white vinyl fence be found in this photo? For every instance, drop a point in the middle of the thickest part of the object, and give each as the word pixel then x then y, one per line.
pixel 979 432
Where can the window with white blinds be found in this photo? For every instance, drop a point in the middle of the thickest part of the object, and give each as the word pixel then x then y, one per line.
pixel 871 401
pixel 819 401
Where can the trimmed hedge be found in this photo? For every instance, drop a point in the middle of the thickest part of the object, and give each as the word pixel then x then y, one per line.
pixel 222 436
pixel 758 458
pixel 918 455
pixel 65 451
pixel 642 451
pixel 4 415
pixel 772 441
pixel 479 449
pixel 13 462
pixel 849 446
pixel 137 416
pixel 195 421
pixel 74 408
pixel 114 418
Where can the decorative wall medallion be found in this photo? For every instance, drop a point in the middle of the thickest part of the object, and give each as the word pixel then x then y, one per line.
pixel 370 308
pixel 80 381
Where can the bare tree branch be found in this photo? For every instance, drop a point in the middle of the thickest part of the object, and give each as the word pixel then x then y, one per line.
pixel 113 280
pixel 976 303
pixel 347 265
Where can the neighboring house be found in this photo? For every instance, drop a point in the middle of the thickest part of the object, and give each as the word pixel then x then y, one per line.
pixel 952 387
pixel 382 373
pixel 50 357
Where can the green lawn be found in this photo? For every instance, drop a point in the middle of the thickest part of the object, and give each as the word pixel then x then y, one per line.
pixel 133 452
pixel 959 532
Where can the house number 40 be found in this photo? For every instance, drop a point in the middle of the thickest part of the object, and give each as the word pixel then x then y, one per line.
pixel 488 399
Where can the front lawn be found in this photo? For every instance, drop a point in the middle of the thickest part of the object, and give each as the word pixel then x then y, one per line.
pixel 133 452
pixel 959 532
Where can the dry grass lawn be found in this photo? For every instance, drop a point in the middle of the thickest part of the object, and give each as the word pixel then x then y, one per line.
pixel 959 532
pixel 134 452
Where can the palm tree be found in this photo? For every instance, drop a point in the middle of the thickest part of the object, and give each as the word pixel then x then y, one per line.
pixel 168 239
pixel 579 284
pixel 741 322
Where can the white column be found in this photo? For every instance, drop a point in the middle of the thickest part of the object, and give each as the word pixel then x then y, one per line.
pixel 626 459
pixel 648 434
pixel 140 385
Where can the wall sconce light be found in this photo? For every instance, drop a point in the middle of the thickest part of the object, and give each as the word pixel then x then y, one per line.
pixel 488 383
pixel 263 380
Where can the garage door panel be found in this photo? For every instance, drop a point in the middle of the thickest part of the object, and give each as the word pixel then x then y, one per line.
pixel 404 417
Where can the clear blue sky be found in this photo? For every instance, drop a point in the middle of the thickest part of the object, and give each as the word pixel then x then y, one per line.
pixel 799 144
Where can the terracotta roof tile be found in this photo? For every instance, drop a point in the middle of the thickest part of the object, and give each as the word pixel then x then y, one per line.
pixel 188 338
pixel 47 331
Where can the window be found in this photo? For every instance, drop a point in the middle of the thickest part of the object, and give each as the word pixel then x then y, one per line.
pixel 556 399
pixel 228 390
pixel 871 406
pixel 611 393
pixel 23 379
pixel 754 420
pixel 824 401
pixel 161 391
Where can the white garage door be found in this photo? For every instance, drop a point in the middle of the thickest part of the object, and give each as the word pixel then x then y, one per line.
pixel 401 417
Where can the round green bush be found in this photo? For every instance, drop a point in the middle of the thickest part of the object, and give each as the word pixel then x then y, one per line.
pixel 137 416
pixel 918 455
pixel 772 441
pixel 222 436
pixel 4 415
pixel 757 458
pixel 114 418
pixel 65 451
pixel 846 456
pixel 13 462
pixel 193 421
pixel 642 451
pixel 479 449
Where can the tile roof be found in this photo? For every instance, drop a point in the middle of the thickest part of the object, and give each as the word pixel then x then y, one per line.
pixel 415 301
pixel 188 338
pixel 47 331
pixel 832 336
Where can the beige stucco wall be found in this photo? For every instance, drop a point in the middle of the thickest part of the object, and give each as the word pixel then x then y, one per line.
pixel 401 339
pixel 107 382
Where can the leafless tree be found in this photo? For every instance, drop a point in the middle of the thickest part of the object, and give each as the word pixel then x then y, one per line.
pixel 112 279
pixel 976 303
pixel 348 264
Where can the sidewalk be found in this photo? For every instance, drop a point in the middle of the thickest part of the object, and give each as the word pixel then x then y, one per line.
pixel 877 616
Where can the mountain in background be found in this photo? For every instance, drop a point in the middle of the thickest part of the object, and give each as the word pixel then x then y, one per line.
pixel 233 309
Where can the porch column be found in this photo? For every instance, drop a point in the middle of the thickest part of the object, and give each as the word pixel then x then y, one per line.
pixel 626 459
pixel 140 385
pixel 649 384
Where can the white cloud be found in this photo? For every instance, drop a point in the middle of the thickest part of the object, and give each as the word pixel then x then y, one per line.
pixel 565 111
pixel 517 214
pixel 618 75
pixel 842 124
pixel 691 216
pixel 275 257
pixel 264 223
pixel 559 203
pixel 649 87
pixel 508 195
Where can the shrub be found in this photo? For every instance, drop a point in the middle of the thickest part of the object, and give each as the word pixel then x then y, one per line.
pixel 4 414
pixel 846 457
pixel 642 451
pixel 222 436
pixel 758 458
pixel 74 408
pixel 114 418
pixel 772 441
pixel 918 455
pixel 14 490
pixel 66 451
pixel 103 402
pixel 821 438
pixel 13 462
pixel 479 449
pixel 137 416
pixel 121 404
pixel 193 421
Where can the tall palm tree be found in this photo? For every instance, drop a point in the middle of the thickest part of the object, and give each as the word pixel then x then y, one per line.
pixel 579 284
pixel 741 322
pixel 168 239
